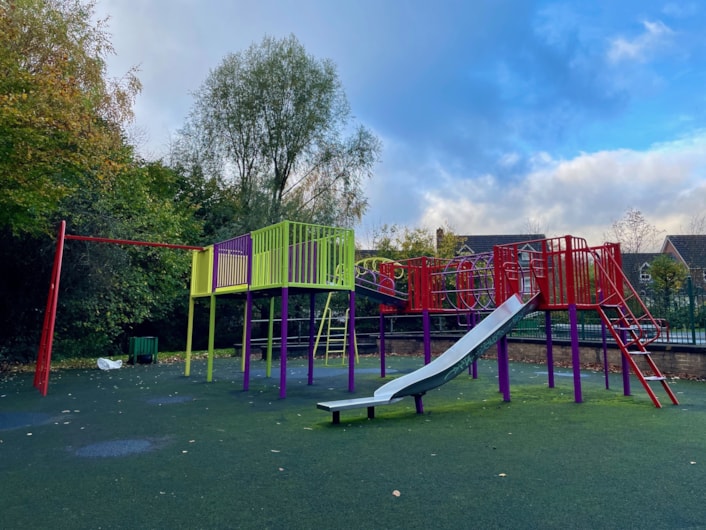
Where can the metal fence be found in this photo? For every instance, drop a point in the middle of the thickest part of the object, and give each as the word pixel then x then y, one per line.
pixel 681 314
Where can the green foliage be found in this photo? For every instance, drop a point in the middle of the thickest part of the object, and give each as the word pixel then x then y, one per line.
pixel 401 242
pixel 109 290
pixel 668 277
pixel 266 135
pixel 59 115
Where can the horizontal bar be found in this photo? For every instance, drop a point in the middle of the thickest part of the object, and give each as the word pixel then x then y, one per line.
pixel 130 242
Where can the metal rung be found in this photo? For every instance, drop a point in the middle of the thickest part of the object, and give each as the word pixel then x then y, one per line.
pixel 639 352
pixel 655 378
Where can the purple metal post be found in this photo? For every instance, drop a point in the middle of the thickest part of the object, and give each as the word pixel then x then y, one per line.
pixel 604 340
pixel 312 335
pixel 504 368
pixel 474 365
pixel 382 345
pixel 625 366
pixel 351 341
pixel 550 347
pixel 248 312
pixel 283 349
pixel 214 280
pixel 575 353
pixel 606 368
pixel 418 403
pixel 248 333
pixel 427 335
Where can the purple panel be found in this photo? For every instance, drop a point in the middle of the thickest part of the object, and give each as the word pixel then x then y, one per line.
pixel 231 262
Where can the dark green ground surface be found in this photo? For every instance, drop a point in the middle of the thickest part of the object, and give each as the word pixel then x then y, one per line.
pixel 145 447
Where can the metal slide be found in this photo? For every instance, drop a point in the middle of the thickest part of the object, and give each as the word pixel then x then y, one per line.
pixel 451 363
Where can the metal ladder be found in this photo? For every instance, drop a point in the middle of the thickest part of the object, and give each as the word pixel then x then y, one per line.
pixel 632 333
pixel 336 335
pixel 632 340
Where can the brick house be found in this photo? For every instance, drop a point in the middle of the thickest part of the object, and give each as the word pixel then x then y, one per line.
pixel 691 251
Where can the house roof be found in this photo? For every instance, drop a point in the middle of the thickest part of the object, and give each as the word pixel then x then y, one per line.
pixel 691 249
pixel 481 244
pixel 633 262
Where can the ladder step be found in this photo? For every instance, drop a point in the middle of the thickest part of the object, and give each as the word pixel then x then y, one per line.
pixel 638 352
pixel 655 378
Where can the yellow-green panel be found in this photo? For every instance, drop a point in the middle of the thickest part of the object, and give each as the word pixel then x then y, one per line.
pixel 302 255
pixel 202 272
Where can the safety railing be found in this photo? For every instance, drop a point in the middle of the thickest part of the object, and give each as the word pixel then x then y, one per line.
pixel 291 254
pixel 231 263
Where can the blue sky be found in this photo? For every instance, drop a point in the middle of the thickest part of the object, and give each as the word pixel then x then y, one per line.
pixel 495 115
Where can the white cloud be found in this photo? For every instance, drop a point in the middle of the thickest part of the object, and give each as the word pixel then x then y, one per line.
pixel 582 196
pixel 640 49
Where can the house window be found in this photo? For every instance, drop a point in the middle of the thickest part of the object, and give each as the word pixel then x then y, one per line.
pixel 645 276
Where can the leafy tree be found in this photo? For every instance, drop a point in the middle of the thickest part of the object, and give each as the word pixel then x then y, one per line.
pixel 63 156
pixel 634 233
pixel 447 242
pixel 109 290
pixel 401 242
pixel 60 118
pixel 668 277
pixel 268 125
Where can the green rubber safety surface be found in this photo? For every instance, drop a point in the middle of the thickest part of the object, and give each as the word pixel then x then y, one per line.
pixel 146 447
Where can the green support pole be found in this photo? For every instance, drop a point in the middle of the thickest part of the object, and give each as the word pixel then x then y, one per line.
pixel 270 332
pixel 211 339
pixel 189 337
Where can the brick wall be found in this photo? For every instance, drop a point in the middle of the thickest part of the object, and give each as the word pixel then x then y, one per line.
pixel 675 359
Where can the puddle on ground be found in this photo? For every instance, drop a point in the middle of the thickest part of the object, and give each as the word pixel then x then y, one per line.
pixel 169 400
pixel 114 448
pixel 15 420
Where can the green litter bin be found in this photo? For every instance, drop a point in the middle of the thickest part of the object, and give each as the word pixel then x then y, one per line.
pixel 142 350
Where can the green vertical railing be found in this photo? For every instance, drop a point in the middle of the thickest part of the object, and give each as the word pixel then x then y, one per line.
pixel 291 254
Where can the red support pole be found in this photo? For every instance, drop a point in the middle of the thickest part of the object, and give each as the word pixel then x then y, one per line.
pixel 130 242
pixel 41 374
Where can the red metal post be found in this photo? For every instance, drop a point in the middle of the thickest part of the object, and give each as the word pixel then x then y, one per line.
pixel 41 374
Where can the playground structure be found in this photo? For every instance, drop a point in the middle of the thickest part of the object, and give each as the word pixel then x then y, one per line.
pixel 284 259
pixel 557 274
pixel 562 274
pixel 493 291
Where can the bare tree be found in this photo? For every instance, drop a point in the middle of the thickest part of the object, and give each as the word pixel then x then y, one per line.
pixel 634 233
pixel 697 225
pixel 533 226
